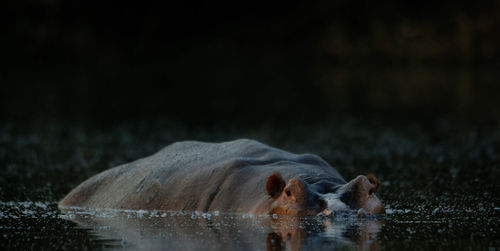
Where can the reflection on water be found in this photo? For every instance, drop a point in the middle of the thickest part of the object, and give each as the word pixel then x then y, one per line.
pixel 175 230
pixel 40 223
pixel 27 225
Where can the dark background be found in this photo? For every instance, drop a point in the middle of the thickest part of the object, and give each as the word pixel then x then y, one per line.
pixel 407 90
pixel 250 62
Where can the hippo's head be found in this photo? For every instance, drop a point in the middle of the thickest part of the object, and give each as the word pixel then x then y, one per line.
pixel 298 198
pixel 294 198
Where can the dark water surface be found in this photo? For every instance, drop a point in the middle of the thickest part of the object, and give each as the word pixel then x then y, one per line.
pixel 440 184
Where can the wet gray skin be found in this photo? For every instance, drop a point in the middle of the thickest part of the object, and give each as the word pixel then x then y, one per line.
pixel 439 185
pixel 238 176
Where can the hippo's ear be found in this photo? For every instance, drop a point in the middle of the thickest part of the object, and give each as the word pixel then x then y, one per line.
pixel 275 185
pixel 374 181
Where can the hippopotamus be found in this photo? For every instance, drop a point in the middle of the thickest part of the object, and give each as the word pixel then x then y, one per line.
pixel 240 176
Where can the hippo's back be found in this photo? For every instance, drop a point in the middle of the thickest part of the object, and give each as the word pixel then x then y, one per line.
pixel 193 175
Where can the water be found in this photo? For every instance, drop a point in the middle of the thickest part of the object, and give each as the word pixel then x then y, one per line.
pixel 439 183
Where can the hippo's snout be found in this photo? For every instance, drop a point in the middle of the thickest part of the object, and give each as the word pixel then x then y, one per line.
pixel 359 193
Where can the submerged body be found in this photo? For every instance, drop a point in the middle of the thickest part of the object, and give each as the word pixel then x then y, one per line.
pixel 242 176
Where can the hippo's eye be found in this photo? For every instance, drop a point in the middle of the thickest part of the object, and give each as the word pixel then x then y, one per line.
pixel 370 192
pixel 288 193
pixel 323 204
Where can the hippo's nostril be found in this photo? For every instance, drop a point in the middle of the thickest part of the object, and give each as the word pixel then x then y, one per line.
pixel 288 193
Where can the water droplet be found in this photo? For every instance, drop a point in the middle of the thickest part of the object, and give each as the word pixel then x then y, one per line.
pixel 435 211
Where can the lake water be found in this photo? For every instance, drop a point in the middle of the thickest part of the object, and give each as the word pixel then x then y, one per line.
pixel 439 184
